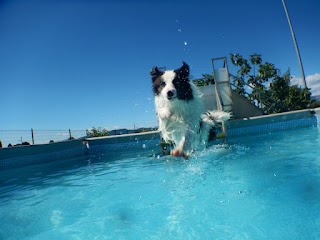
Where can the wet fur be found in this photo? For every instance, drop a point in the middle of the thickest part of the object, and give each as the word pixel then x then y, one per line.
pixel 180 111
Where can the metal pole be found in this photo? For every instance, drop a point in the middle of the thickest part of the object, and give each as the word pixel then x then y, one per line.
pixel 70 136
pixel 296 45
pixel 32 135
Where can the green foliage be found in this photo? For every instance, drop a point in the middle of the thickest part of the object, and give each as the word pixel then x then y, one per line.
pixel 255 59
pixel 205 81
pixel 240 84
pixel 267 88
pixel 97 132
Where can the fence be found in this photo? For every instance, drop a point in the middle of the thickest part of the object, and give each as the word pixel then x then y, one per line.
pixel 34 136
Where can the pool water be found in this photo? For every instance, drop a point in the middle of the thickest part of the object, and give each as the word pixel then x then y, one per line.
pixel 257 187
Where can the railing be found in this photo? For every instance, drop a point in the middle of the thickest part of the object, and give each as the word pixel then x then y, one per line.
pixel 33 136
pixel 259 99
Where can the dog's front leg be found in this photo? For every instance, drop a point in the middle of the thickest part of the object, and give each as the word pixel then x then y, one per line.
pixel 164 113
pixel 184 147
pixel 179 150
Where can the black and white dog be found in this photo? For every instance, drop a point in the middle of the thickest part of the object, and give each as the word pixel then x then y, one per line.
pixel 180 111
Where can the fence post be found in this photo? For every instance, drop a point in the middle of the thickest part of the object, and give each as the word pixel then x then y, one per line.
pixel 32 136
pixel 70 136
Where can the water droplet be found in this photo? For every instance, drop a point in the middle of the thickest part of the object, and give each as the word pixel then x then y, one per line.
pixel 144 146
pixel 185 43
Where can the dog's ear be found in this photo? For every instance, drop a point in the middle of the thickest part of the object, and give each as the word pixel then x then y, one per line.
pixel 155 73
pixel 184 70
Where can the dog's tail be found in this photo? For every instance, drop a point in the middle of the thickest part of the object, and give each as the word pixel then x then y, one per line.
pixel 214 117
pixel 208 125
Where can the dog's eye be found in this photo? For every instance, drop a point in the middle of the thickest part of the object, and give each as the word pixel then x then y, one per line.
pixel 163 83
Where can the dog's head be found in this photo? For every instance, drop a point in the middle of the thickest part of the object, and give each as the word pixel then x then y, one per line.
pixel 172 84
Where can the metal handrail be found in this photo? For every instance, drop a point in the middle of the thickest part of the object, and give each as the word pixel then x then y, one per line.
pixel 261 100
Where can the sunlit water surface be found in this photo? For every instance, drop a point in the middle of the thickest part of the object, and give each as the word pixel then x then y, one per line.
pixel 257 187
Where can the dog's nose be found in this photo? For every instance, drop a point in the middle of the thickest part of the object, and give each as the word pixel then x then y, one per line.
pixel 170 94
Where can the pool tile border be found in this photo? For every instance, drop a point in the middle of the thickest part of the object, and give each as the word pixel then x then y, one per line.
pixel 273 123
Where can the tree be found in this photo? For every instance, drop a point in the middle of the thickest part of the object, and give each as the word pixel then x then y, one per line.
pixel 278 92
pixel 278 96
pixel 97 132
pixel 205 81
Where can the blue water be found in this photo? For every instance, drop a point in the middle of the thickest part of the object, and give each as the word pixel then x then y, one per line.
pixel 257 187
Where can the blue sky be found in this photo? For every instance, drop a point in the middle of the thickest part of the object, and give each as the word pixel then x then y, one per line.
pixel 79 64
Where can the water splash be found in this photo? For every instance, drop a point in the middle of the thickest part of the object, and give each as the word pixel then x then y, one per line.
pixel 186 48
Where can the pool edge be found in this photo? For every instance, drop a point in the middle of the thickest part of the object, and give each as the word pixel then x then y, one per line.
pixel 43 153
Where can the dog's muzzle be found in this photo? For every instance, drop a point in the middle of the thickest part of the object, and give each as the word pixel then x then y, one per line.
pixel 171 94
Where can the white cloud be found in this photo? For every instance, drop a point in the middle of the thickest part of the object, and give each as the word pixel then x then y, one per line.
pixel 313 82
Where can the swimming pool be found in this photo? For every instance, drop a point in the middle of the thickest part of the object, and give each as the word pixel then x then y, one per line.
pixel 263 186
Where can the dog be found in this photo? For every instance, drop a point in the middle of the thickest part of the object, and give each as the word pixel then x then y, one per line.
pixel 180 112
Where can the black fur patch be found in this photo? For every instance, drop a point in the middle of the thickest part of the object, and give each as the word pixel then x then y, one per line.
pixel 157 83
pixel 183 88
pixel 181 82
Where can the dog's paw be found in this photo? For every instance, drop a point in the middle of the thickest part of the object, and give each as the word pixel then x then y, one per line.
pixel 179 153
